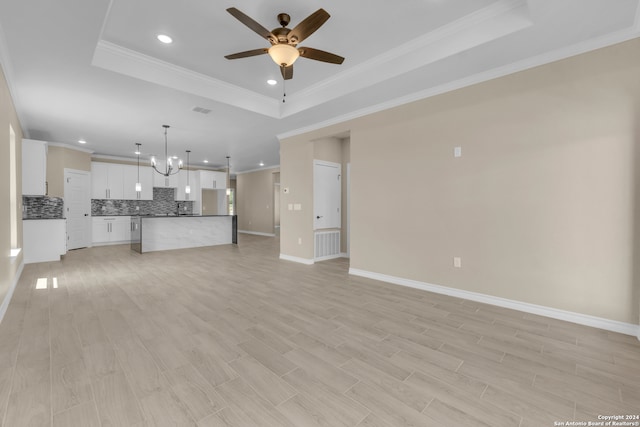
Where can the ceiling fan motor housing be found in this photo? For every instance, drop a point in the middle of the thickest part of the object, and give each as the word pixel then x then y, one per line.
pixel 284 19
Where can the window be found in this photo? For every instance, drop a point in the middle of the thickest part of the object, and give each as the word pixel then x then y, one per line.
pixel 230 199
pixel 13 192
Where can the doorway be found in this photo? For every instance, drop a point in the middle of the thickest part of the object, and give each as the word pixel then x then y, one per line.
pixel 327 195
pixel 276 208
pixel 77 208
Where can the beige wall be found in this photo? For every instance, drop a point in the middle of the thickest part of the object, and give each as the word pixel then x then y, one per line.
pixel 254 201
pixel 8 117
pixel 59 158
pixel 540 207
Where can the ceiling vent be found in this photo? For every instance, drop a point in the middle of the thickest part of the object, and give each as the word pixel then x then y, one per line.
pixel 201 110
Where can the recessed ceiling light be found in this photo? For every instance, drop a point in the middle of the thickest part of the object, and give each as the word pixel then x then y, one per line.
pixel 261 163
pixel 206 161
pixel 272 82
pixel 165 38
pixel 174 157
pixel 82 141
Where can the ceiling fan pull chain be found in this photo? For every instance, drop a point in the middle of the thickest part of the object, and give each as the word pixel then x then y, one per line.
pixel 284 90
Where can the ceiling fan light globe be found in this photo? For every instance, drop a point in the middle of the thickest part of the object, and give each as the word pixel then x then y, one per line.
pixel 283 54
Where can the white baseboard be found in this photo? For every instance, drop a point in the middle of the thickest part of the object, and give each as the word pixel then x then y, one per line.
pixel 257 233
pixel 7 299
pixel 305 261
pixel 344 255
pixel 328 257
pixel 569 316
pixel 122 242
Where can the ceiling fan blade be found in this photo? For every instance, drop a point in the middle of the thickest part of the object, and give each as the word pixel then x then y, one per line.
pixel 249 22
pixel 308 26
pixel 287 72
pixel 320 55
pixel 248 53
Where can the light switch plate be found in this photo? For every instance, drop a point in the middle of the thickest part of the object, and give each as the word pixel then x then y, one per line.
pixel 457 262
pixel 457 152
pixel 297 207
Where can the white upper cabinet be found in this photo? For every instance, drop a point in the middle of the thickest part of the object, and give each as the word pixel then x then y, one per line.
pixel 34 167
pixel 131 178
pixel 107 181
pixel 212 180
pixel 194 185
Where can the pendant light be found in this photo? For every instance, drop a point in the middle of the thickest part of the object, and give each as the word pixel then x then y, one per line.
pixel 168 166
pixel 138 184
pixel 187 189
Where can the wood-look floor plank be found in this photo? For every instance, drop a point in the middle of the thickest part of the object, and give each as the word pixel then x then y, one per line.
pixel 267 356
pixel 70 386
pixel 372 420
pixel 386 383
pixel 227 417
pixel 116 402
pixel 243 399
pixel 323 371
pixel 162 408
pixel 387 408
pixel 82 415
pixel 267 384
pixel 452 403
pixel 244 339
pixel 139 366
pixel 30 406
pixel 343 410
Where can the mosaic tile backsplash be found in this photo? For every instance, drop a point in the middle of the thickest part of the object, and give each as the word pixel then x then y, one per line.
pixel 42 207
pixel 163 203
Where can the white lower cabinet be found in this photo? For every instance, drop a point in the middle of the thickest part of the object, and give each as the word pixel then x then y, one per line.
pixel 111 229
pixel 44 240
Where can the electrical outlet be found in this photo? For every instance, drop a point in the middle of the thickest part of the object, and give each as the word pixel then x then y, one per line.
pixel 457 262
pixel 290 206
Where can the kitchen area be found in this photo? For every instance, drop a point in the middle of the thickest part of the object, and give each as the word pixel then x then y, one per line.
pixel 73 200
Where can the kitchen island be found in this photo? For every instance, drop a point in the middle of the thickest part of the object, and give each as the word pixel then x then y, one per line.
pixel 160 233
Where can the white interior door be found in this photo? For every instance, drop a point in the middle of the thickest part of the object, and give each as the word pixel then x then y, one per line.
pixel 77 207
pixel 327 195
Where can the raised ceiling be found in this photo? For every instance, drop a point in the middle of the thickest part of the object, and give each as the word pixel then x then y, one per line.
pixel 94 70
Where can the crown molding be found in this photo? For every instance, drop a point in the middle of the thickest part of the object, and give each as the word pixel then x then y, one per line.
pixel 258 170
pixel 113 57
pixel 482 26
pixel 70 147
pixel 477 28
pixel 545 58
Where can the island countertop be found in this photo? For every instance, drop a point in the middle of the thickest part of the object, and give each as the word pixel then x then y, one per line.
pixel 165 232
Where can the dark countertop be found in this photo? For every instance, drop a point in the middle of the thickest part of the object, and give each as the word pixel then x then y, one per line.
pixel 39 219
pixel 177 216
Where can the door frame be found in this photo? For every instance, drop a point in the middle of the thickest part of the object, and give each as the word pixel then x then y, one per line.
pixel 87 221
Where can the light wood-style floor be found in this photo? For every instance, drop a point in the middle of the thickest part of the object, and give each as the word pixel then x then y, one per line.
pixel 232 336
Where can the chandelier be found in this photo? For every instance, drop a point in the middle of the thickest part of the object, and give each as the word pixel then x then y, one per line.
pixel 168 166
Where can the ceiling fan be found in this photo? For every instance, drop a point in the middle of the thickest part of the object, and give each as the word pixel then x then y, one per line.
pixel 284 41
